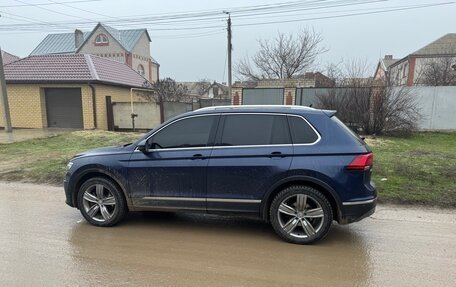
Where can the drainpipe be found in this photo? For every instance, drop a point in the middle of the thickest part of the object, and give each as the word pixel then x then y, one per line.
pixel 94 105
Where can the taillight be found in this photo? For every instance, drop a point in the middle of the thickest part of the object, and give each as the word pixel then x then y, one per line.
pixel 361 162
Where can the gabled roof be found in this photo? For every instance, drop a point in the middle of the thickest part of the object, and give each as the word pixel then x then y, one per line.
pixel 387 62
pixel 445 45
pixel 65 42
pixel 57 44
pixel 72 68
pixel 8 58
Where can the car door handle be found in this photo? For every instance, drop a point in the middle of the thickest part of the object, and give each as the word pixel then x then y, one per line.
pixel 197 156
pixel 276 154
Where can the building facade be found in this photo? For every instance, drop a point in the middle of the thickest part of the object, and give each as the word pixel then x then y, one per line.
pixel 131 47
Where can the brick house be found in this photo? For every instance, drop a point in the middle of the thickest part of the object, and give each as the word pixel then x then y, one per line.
pixel 131 47
pixel 68 90
pixel 383 67
pixel 277 91
pixel 407 71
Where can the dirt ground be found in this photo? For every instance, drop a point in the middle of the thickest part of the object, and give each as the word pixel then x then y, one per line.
pixel 43 242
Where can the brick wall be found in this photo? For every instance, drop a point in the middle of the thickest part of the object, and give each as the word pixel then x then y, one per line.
pixel 28 106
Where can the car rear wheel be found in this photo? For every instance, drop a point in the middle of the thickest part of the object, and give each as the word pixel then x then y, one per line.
pixel 301 215
pixel 101 202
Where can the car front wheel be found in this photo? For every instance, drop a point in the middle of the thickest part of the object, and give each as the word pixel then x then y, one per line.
pixel 301 215
pixel 101 202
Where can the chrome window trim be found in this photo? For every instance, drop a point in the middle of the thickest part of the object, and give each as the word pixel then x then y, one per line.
pixel 238 146
pixel 278 114
pixel 175 121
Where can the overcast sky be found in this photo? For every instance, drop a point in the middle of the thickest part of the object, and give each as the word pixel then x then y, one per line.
pixel 190 55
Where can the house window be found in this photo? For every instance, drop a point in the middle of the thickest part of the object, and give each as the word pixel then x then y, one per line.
pixel 140 70
pixel 101 40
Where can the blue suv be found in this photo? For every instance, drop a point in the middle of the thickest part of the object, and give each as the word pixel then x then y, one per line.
pixel 297 167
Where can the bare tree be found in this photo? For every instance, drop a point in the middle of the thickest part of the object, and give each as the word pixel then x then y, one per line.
pixel 166 90
pixel 439 72
pixel 283 57
pixel 202 86
pixel 374 107
pixel 394 110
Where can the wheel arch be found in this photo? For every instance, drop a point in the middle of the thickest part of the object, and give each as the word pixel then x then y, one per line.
pixel 96 172
pixel 321 186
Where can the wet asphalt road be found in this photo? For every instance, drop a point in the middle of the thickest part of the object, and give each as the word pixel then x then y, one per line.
pixel 43 242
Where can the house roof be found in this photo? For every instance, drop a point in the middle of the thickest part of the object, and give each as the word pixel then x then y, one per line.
pixel 72 68
pixel 388 62
pixel 65 42
pixel 8 58
pixel 445 45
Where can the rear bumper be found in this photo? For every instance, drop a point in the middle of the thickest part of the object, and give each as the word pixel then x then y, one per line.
pixel 353 211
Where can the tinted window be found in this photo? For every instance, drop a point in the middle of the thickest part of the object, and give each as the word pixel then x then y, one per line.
pixel 255 130
pixel 191 132
pixel 302 131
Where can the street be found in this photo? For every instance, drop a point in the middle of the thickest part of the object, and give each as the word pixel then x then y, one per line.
pixel 43 242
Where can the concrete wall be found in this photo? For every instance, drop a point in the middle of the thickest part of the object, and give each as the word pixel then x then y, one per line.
pixel 438 107
pixel 437 104
pixel 148 115
pixel 173 109
pixel 118 95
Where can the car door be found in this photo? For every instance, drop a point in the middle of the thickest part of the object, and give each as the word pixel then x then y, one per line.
pixel 252 152
pixel 171 173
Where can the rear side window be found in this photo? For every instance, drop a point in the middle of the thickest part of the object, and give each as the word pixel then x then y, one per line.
pixel 302 132
pixel 255 130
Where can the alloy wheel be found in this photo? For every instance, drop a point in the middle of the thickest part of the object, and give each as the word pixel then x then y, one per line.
pixel 300 216
pixel 99 202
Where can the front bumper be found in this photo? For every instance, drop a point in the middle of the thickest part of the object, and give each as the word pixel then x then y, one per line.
pixel 68 193
pixel 353 211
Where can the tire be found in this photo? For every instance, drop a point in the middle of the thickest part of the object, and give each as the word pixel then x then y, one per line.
pixel 101 202
pixel 301 214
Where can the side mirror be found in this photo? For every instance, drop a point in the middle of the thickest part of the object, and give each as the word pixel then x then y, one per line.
pixel 142 146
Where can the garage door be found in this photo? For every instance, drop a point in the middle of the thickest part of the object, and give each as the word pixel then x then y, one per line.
pixel 64 108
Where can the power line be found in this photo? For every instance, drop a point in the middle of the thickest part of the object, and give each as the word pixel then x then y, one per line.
pixel 209 20
pixel 53 11
pixel 47 4
pixel 346 15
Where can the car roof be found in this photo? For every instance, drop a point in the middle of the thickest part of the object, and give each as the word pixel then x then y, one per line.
pixel 259 109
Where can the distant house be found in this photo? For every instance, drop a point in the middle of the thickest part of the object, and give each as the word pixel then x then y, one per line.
pixel 277 91
pixel 131 47
pixel 408 70
pixel 206 90
pixel 68 90
pixel 8 58
pixel 383 67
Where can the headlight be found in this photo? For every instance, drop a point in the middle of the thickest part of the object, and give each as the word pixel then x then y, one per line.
pixel 69 165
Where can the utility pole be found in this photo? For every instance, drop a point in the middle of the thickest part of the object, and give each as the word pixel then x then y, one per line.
pixel 230 48
pixel 4 97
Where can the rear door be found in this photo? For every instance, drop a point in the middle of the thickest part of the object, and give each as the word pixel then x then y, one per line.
pixel 252 151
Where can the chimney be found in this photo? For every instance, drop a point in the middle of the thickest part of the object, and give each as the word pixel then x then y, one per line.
pixel 78 38
pixel 388 57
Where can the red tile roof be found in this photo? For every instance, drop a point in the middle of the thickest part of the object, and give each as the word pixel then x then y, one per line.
pixel 72 68
pixel 8 58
